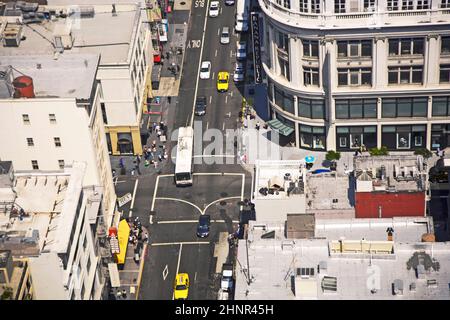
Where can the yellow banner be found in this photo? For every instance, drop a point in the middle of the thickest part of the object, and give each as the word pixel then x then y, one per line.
pixel 123 234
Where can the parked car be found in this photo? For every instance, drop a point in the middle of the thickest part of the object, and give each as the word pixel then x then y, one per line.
pixel 229 2
pixel 239 72
pixel 225 35
pixel 214 9
pixel 205 70
pixel 227 281
pixel 241 50
pixel 200 106
pixel 204 223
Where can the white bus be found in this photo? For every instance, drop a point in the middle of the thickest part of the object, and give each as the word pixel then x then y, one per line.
pixel 183 164
pixel 242 15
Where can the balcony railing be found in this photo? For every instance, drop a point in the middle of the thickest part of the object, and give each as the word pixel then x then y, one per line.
pixel 341 20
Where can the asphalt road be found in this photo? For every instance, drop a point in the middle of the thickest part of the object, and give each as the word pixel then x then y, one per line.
pixel 174 246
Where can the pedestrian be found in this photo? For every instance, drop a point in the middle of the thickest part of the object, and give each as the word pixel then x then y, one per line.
pixel 138 159
pixel 145 238
pixel 119 294
pixel 132 172
pixel 121 163
pixel 165 155
pixel 169 99
pixel 257 126
pixel 158 134
pixel 154 126
pixel 160 157
pixel 124 293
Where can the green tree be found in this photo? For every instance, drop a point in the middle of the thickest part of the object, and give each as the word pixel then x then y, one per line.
pixel 383 151
pixel 332 155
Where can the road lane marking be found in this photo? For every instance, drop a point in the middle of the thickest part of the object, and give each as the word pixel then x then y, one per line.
pixel 199 65
pixel 154 193
pixel 218 173
pixel 231 93
pixel 215 201
pixel 161 244
pixel 180 200
pixel 231 53
pixel 141 269
pixel 218 31
pixel 195 276
pixel 207 124
pixel 210 99
pixel 223 126
pixel 214 75
pixel 132 200
pixel 193 221
pixel 214 155
pixel 215 53
pixel 226 99
pixel 243 187
pixel 165 272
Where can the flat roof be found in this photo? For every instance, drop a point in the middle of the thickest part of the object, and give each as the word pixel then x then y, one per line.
pixel 47 277
pixel 274 264
pixel 104 34
pixel 67 76
pixel 328 191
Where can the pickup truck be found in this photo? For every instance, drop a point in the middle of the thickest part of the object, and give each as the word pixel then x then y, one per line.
pixel 227 282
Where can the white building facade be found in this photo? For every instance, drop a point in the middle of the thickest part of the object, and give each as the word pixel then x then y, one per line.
pixel 345 73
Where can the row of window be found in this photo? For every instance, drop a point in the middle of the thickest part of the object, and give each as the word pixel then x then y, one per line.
pixel 340 6
pixel 26 118
pixel 35 164
pixel 56 140
pixel 363 48
pixel 363 108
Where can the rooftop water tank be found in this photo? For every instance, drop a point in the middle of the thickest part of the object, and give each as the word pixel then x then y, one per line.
pixel 24 87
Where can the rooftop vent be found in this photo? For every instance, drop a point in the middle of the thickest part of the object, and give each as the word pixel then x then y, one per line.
pixel 397 287
pixel 305 272
pixel 329 284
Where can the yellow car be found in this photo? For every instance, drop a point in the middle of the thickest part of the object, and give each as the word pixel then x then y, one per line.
pixel 222 81
pixel 181 287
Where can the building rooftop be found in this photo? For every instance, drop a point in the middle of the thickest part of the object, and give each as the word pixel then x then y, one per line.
pixel 103 33
pixel 45 272
pixel 402 172
pixel 287 269
pixel 67 76
pixel 279 189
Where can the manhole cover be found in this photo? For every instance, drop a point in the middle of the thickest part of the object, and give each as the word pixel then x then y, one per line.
pixel 182 3
pixel 223 203
pixel 179 31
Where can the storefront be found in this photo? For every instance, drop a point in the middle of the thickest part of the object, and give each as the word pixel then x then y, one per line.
pixel 124 143
pixel 440 136
pixel 312 137
pixel 284 127
pixel 404 137
pixel 350 138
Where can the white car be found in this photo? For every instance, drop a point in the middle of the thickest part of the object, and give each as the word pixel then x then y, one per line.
pixel 239 72
pixel 225 35
pixel 205 70
pixel 241 50
pixel 214 9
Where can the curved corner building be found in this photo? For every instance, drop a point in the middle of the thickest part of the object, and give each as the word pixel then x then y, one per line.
pixel 345 73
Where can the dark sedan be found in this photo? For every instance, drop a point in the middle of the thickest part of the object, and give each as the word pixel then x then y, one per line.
pixel 200 106
pixel 204 223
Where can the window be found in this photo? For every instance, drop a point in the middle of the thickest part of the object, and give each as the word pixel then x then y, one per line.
pixel 404 107
pixel 392 5
pixel 339 6
pixel 52 118
pixel 354 77
pixel 283 42
pixel 105 118
pixel 83 289
pixel 369 5
pixel 423 5
pixel 356 108
pixel 57 141
pixel 400 47
pixel 357 48
pixel 61 164
pixel 315 6
pixel 445 44
pixel 404 137
pixel 30 142
pixel 34 164
pixel 444 74
pixel 441 106
pixel 311 76
pixel 407 5
pixel 26 119
pixel 405 75
pixel 310 48
pixel 310 108
pixel 303 6
pixel 88 264
pixel 445 3
pixel 284 100
pixel 284 68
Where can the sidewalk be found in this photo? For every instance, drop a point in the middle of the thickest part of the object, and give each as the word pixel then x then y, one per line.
pixel 131 274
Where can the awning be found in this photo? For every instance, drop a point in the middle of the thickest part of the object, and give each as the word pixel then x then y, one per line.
pixel 280 127
pixel 114 275
pixel 123 234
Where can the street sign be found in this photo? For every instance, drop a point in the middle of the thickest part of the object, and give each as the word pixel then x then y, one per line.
pixel 125 199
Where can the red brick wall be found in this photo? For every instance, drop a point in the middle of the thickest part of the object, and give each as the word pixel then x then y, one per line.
pixel 408 204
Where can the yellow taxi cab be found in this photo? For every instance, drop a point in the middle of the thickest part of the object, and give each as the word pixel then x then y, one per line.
pixel 222 81
pixel 181 287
